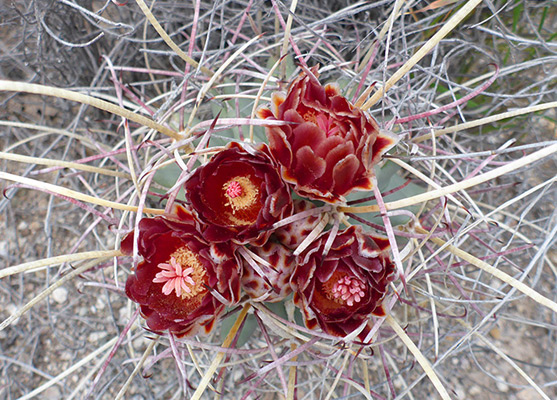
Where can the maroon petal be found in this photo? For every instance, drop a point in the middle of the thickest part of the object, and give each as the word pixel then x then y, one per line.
pixel 179 270
pixel 306 134
pixel 344 173
pixel 239 194
pixel 309 167
pixel 383 142
pixel 341 290
pixel 329 130
pixel 280 147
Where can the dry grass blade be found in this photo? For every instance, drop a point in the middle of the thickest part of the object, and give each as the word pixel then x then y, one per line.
pixel 486 120
pixel 45 293
pixel 218 358
pixel 292 376
pixel 435 194
pixel 419 357
pixel 544 301
pixel 168 40
pixel 513 364
pixel 84 99
pixel 33 266
pixel 422 52
pixel 86 360
pixel 137 368
pixel 75 194
pixel 62 164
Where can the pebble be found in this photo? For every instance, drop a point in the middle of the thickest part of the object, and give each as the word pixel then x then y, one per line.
pixel 60 295
pixel 51 393
pixel 475 390
pixel 502 386
pixel 4 249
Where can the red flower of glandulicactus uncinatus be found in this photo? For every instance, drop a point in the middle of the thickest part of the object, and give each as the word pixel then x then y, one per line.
pixel 330 147
pixel 180 271
pixel 238 195
pixel 340 291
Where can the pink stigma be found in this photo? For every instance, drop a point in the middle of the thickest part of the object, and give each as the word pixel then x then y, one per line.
pixel 326 123
pixel 349 289
pixel 234 189
pixel 174 278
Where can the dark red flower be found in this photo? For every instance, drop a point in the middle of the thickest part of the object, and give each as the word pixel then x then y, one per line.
pixel 340 291
pixel 272 282
pixel 330 147
pixel 181 276
pixel 239 195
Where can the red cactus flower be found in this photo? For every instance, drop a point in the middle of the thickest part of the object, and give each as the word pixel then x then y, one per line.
pixel 182 280
pixel 272 282
pixel 340 291
pixel 239 195
pixel 331 146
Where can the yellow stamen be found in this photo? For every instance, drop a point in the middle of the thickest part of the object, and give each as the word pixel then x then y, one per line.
pixel 241 194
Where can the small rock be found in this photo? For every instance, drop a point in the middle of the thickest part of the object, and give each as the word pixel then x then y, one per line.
pixel 475 390
pixel 96 337
pixel 12 309
pixel 52 393
pixel 495 333
pixel 502 386
pixel 4 249
pixel 100 303
pixel 60 295
pixel 35 226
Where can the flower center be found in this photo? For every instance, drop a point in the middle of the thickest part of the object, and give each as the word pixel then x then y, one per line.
pixel 327 124
pixel 241 194
pixel 348 290
pixel 234 189
pixel 309 116
pixel 183 273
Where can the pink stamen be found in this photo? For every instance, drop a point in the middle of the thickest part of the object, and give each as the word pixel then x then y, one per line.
pixel 234 189
pixel 349 289
pixel 327 124
pixel 174 278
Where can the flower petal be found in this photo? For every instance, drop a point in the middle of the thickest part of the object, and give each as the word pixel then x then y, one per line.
pixel 309 167
pixel 239 194
pixel 332 129
pixel 340 291
pixel 172 284
pixel 344 173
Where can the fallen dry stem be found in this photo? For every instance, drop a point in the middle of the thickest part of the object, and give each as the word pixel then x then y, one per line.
pixel 419 357
pixel 521 287
pixel 434 194
pixel 220 355
pixel 43 90
pixel 168 40
pixel 75 194
pixel 486 120
pixel 45 293
pixel 422 52
pixel 63 164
